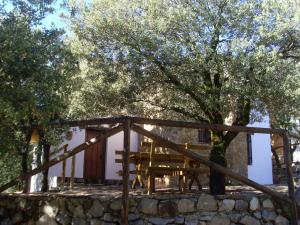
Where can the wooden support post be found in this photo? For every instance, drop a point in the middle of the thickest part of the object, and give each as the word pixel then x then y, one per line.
pixel 288 163
pixel 125 199
pixel 63 172
pixel 72 172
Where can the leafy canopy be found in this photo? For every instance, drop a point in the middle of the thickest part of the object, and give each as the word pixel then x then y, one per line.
pixel 198 59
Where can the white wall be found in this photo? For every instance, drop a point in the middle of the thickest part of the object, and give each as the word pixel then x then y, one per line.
pixel 261 168
pixel 77 139
pixel 114 143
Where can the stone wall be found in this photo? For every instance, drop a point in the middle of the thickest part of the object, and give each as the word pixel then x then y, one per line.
pixel 196 209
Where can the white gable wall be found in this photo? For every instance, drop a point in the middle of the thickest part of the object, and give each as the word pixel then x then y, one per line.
pixel 114 143
pixel 77 139
pixel 261 169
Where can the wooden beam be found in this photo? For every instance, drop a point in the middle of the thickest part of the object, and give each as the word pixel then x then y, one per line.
pixel 63 173
pixel 171 123
pixel 125 200
pixel 62 157
pixel 72 172
pixel 198 125
pixel 203 160
pixel 288 163
pixel 94 121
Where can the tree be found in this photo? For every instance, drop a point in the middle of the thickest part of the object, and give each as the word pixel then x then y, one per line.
pixel 36 77
pixel 202 60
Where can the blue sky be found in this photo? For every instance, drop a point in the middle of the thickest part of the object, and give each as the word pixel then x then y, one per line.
pixel 51 19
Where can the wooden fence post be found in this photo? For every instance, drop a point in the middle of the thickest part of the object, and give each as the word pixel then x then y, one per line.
pixel 63 172
pixel 125 200
pixel 288 163
pixel 72 172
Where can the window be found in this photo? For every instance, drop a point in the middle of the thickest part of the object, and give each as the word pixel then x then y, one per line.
pixel 249 149
pixel 203 136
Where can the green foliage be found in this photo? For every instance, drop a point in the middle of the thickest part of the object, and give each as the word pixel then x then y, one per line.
pixel 37 75
pixel 201 60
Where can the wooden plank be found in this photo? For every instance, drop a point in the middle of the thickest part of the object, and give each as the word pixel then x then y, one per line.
pixel 63 172
pixel 287 161
pixel 62 157
pixel 125 200
pixel 171 123
pixel 89 122
pixel 198 125
pixel 190 146
pixel 172 169
pixel 72 172
pixel 210 164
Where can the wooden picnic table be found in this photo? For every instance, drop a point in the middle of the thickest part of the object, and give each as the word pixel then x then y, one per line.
pixel 151 165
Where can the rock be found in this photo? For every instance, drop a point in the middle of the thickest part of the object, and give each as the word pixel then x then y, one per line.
pixel 167 208
pixel 268 204
pixel 50 211
pixel 79 212
pixel 228 205
pixel 249 220
pixel 161 221
pixel 186 206
pixel 46 220
pixel 241 205
pixel 2 212
pixel 206 216
pixel 79 221
pixel 207 203
pixel 179 220
pixel 96 210
pixel 268 215
pixel 6 222
pixel 220 220
pixel 235 217
pixel 280 220
pixel 111 219
pixel 257 215
pixel 96 222
pixel 191 222
pixel 17 218
pixel 149 206
pixel 132 216
pixel 201 223
pixel 254 204
pixel 116 204
pixel 63 219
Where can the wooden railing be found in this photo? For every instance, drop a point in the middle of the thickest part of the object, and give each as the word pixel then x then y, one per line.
pixel 133 123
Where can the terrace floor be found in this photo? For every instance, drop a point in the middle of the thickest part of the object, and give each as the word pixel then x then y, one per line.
pixel 116 190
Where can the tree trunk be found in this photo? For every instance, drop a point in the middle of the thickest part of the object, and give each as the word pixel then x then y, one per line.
pixel 46 156
pixel 217 179
pixel 24 164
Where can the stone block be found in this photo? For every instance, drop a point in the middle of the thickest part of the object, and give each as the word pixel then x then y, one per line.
pixel 249 220
pixel 254 204
pixel 207 203
pixel 241 205
pixel 186 206
pixel 149 206
pixel 219 220
pixel 167 208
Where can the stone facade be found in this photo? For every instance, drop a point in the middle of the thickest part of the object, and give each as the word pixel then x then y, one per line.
pixel 171 209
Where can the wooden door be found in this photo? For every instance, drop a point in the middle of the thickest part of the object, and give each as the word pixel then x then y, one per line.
pixel 94 159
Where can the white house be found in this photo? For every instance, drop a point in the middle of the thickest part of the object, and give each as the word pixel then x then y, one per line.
pixel 97 163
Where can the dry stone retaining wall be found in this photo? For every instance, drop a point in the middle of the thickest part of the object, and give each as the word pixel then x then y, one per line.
pixel 144 210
